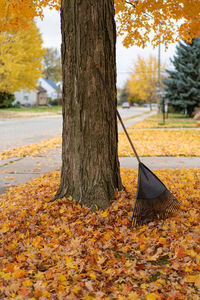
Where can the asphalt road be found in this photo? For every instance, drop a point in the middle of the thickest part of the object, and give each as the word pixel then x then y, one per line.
pixel 20 132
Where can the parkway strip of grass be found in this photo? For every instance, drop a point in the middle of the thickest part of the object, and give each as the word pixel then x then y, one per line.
pixel 174 120
pixel 30 110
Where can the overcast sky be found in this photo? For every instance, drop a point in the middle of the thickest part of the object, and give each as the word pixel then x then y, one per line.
pixel 51 34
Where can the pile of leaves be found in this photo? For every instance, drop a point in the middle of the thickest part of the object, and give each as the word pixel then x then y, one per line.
pixel 64 251
pixel 161 142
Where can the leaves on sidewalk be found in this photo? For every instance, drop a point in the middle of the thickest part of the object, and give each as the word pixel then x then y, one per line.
pixel 63 251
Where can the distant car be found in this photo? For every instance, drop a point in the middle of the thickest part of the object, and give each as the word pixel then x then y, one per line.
pixel 126 105
pixel 154 105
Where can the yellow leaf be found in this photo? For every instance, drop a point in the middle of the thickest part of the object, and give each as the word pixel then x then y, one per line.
pixel 162 240
pixel 67 230
pixel 101 260
pixel 76 290
pixel 142 247
pixel 78 222
pixel 191 253
pixel 151 296
pixel 144 285
pixel 90 298
pixel 27 283
pixel 5 228
pixel 108 271
pixel 192 278
pixel 188 270
pixel 92 276
pixel 61 277
pixel 5 276
pixel 105 214
pixel 133 296
pixel 68 259
pixel 107 236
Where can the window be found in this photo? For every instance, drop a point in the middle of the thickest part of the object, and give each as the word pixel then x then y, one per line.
pixel 26 94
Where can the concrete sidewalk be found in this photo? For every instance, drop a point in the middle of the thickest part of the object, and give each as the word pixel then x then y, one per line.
pixel 130 122
pixel 165 162
pixel 15 171
pixel 20 170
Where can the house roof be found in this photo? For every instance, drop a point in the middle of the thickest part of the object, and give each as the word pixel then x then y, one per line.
pixel 51 83
pixel 41 89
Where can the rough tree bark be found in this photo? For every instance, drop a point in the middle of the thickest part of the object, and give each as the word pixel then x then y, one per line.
pixel 90 166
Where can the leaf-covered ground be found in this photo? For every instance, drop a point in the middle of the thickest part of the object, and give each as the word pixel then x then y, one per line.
pixel 161 143
pixel 63 251
pixel 147 142
pixel 173 121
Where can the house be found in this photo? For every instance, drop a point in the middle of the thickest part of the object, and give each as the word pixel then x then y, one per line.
pixel 50 87
pixel 31 98
pixel 46 89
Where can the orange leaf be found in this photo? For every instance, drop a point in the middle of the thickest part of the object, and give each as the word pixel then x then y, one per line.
pixel 19 274
pixel 24 292
pixel 181 253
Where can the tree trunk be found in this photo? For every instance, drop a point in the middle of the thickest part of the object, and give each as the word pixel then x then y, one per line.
pixel 90 166
pixel 190 110
pixel 150 104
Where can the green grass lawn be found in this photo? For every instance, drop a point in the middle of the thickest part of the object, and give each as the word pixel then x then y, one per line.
pixel 36 109
pixel 174 120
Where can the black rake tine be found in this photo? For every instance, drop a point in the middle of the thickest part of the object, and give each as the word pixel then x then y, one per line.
pixel 134 208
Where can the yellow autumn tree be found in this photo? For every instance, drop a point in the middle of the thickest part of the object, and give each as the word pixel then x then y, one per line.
pixel 143 81
pixel 142 21
pixel 21 57
pixel 139 21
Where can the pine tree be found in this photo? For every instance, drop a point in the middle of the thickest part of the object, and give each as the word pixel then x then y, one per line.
pixel 183 85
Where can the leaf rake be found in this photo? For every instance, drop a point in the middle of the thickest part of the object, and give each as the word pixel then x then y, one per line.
pixel 153 199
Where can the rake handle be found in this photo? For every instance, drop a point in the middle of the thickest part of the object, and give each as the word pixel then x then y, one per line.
pixel 118 115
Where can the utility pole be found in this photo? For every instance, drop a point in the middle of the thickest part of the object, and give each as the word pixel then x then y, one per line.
pixel 159 62
pixel 159 83
pixel 159 77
